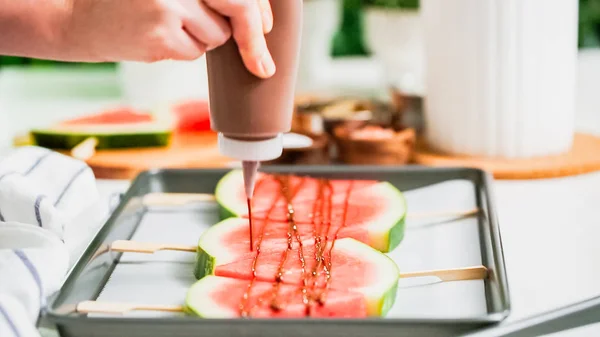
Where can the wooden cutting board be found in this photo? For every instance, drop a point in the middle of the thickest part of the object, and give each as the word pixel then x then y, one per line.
pixel 583 157
pixel 199 150
pixel 186 151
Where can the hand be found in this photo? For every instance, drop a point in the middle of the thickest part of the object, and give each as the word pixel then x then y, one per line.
pixel 250 20
pixel 154 30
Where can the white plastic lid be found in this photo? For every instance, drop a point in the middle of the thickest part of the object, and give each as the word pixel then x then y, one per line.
pixel 245 150
pixel 296 141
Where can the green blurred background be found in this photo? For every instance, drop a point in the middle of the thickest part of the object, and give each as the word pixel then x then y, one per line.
pixel 349 39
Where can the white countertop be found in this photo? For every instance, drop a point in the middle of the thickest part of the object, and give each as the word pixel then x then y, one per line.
pixel 550 228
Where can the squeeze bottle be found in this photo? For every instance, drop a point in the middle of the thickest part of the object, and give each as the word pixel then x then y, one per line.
pixel 250 114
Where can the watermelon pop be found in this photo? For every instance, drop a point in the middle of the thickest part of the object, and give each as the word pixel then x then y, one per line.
pixel 354 273
pixel 317 249
pixel 376 211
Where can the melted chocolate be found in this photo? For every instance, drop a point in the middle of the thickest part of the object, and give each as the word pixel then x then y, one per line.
pixel 250 170
pixel 329 264
pixel 244 311
pixel 319 207
pixel 321 220
pixel 250 231
pixel 291 234
pixel 318 226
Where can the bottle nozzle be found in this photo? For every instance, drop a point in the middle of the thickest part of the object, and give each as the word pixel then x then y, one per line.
pixel 250 169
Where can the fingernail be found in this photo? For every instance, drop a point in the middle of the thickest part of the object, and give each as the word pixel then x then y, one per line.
pixel 268 21
pixel 267 65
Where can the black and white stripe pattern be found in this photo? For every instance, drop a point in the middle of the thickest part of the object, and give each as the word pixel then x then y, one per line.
pixel 38 162
pixel 40 192
pixel 44 188
pixel 69 184
pixel 34 273
pixel 31 168
pixel 13 327
pixel 36 209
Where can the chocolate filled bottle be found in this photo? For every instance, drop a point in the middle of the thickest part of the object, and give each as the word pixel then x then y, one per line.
pixel 250 114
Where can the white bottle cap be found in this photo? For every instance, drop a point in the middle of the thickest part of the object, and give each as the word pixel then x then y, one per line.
pixel 247 150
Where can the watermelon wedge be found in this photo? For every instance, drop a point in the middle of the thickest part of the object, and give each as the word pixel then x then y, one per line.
pixel 192 116
pixel 372 212
pixel 118 128
pixel 219 297
pixel 352 266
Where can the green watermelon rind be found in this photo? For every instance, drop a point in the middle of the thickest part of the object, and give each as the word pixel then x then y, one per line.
pixel 385 239
pixel 378 306
pixel 205 264
pixel 196 295
pixel 205 260
pixel 67 140
pixel 392 233
pixel 381 305
pixel 196 292
pixel 222 193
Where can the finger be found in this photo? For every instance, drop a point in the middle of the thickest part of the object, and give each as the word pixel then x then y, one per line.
pixel 186 47
pixel 205 24
pixel 267 15
pixel 246 22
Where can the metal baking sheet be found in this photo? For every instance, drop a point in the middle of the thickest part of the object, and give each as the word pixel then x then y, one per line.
pixel 423 307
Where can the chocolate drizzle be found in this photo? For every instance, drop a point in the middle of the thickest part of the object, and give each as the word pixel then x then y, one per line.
pixel 244 312
pixel 322 216
pixel 344 216
pixel 292 234
pixel 319 228
pixel 250 230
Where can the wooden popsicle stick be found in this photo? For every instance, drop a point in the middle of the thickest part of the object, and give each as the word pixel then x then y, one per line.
pixel 448 275
pixel 95 307
pixel 85 150
pixel 125 246
pixel 180 199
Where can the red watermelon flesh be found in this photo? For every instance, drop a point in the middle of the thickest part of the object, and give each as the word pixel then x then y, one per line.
pixel 334 195
pixel 116 116
pixel 348 271
pixel 365 210
pixel 353 220
pixel 192 116
pixel 219 297
pixel 272 236
pixel 351 265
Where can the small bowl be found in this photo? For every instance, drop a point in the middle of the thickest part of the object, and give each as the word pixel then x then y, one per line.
pixel 316 114
pixel 346 112
pixel 308 123
pixel 397 149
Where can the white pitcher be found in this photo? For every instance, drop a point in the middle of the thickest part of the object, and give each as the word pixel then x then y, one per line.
pixel 500 76
pixel 320 21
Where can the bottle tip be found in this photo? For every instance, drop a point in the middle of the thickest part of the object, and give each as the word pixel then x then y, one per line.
pixel 250 169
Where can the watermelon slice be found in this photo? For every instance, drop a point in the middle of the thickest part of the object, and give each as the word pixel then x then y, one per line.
pixel 353 266
pixel 375 211
pixel 118 128
pixel 192 116
pixel 219 297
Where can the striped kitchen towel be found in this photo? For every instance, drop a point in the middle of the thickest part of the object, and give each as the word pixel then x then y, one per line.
pixel 42 197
